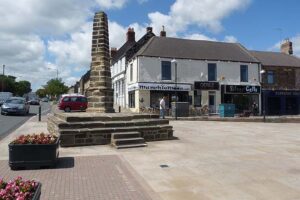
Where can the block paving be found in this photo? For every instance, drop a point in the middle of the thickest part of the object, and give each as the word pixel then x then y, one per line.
pixel 91 177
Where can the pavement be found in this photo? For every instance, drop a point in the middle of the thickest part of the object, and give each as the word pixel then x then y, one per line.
pixel 209 160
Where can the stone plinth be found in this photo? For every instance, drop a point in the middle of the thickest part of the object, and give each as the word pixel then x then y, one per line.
pixel 100 92
pixel 78 129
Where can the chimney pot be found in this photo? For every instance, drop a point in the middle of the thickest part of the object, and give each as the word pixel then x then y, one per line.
pixel 149 29
pixel 287 47
pixel 113 52
pixel 130 35
pixel 163 33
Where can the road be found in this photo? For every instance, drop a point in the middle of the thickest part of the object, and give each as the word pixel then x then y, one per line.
pixel 10 123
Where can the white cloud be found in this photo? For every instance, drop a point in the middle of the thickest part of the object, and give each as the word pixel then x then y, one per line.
pixel 37 35
pixel 296 45
pixel 203 13
pixel 74 51
pixel 43 17
pixel 142 1
pixel 197 36
pixel 110 4
pixel 230 38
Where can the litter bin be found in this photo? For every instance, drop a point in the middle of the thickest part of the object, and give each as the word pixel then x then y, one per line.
pixel 182 109
pixel 227 110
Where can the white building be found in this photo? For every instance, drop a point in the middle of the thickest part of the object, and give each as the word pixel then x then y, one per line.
pixel 208 73
pixel 119 63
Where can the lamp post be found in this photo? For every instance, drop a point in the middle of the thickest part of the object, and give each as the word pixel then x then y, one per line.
pixel 175 62
pixel 3 78
pixel 264 96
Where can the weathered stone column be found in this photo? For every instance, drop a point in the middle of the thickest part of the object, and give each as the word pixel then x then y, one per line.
pixel 100 92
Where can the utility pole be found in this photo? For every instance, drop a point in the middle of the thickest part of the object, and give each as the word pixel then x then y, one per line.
pixel 3 78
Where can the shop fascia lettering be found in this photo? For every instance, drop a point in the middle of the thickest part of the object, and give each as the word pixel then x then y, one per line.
pixel 243 89
pixel 159 87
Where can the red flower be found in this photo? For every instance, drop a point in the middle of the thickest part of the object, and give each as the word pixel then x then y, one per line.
pixel 41 138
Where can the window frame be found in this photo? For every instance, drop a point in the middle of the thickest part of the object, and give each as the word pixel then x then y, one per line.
pixel 168 76
pixel 269 73
pixel 242 78
pixel 214 67
pixel 131 72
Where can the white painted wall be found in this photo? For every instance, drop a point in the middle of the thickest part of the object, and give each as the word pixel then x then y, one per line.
pixel 118 76
pixel 189 71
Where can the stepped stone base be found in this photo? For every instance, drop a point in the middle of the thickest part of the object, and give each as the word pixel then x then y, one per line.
pixel 79 129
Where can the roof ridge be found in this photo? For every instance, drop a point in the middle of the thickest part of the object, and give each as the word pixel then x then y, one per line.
pixel 146 45
pixel 246 51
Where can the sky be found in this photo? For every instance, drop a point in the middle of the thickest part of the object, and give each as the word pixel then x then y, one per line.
pixel 40 37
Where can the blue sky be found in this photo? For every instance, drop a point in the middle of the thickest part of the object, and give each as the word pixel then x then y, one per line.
pixel 37 37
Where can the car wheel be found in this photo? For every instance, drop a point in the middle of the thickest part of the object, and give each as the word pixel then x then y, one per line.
pixel 67 109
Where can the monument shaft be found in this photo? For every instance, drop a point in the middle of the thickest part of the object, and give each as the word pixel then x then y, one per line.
pixel 100 92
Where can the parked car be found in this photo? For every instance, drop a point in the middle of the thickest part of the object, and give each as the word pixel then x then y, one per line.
pixel 15 105
pixel 34 102
pixel 72 102
pixel 45 99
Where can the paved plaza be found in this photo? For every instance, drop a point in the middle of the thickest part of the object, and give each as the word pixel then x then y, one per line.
pixel 209 160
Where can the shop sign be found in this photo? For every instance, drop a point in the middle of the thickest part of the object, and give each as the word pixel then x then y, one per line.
pixel 287 93
pixel 206 85
pixel 242 89
pixel 159 87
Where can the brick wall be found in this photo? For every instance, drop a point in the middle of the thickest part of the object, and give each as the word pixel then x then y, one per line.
pixel 298 79
pixel 284 78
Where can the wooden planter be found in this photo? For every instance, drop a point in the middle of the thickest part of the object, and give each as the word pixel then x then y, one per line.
pixel 37 193
pixel 33 155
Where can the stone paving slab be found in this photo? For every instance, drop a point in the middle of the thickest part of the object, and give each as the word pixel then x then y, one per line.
pixel 91 177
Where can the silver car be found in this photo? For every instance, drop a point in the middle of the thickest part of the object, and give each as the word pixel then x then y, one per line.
pixel 15 105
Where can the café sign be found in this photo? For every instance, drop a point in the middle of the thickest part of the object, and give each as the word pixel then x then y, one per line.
pixel 242 89
pixel 206 85
pixel 159 87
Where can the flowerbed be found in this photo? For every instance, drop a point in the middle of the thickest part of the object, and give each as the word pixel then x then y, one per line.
pixel 19 189
pixel 41 138
pixel 33 151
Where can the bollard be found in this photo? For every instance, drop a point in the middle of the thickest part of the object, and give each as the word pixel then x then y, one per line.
pixel 119 109
pixel 40 112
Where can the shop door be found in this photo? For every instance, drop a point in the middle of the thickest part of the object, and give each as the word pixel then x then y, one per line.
pixel 212 103
pixel 273 106
pixel 291 106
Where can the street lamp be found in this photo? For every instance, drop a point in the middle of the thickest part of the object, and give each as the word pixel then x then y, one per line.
pixel 3 78
pixel 264 96
pixel 175 62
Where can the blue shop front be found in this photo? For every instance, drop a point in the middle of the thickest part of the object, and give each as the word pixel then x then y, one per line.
pixel 281 102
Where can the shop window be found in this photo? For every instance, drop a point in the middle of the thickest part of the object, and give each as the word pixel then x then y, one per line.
pixel 212 71
pixel 165 70
pixel 244 73
pixel 131 101
pixel 270 77
pixel 131 72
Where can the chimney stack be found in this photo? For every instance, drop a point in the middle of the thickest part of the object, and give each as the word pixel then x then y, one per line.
pixel 149 29
pixel 130 35
pixel 163 33
pixel 287 47
pixel 113 52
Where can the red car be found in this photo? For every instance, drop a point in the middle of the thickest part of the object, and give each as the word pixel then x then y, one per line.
pixel 70 103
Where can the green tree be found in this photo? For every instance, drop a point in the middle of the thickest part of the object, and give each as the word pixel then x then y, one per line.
pixel 41 92
pixel 7 84
pixel 55 87
pixel 22 87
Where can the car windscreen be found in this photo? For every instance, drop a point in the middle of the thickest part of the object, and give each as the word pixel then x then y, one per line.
pixel 15 101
